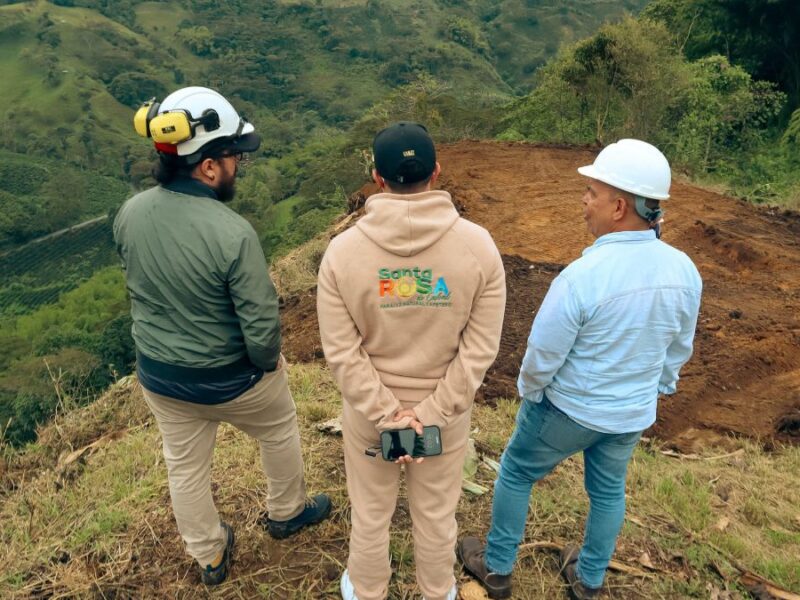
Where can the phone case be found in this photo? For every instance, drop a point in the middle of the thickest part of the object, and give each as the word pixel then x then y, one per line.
pixel 428 444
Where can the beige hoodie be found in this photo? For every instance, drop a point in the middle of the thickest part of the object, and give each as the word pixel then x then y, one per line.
pixel 411 304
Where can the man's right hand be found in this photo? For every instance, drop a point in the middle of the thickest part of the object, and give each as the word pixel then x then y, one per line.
pixel 414 424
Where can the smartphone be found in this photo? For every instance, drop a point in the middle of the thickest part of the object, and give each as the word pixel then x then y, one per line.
pixel 401 442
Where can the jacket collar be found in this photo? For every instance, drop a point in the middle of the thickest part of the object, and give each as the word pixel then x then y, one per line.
pixel 191 187
pixel 622 237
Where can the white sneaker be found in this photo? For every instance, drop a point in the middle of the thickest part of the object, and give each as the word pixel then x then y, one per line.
pixel 348 591
pixel 453 593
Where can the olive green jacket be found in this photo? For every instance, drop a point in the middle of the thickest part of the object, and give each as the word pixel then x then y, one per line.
pixel 200 291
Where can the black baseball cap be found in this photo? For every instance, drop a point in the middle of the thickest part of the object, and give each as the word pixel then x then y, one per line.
pixel 404 153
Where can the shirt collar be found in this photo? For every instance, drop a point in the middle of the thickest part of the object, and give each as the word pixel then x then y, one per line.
pixel 191 187
pixel 622 237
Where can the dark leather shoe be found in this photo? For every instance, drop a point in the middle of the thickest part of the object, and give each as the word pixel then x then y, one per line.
pixel 217 575
pixel 317 509
pixel 471 551
pixel 568 561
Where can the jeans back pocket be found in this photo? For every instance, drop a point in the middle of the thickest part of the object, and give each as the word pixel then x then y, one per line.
pixel 561 433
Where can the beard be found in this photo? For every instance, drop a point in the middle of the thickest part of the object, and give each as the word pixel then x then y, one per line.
pixel 227 189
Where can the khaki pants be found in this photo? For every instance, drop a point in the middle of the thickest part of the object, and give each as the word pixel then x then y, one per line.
pixel 266 412
pixel 434 487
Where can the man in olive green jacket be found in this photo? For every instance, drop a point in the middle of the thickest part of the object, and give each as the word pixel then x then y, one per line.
pixel 205 322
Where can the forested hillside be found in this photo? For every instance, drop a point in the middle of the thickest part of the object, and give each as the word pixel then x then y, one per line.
pixel 316 77
pixel 714 83
pixel 303 71
pixel 517 94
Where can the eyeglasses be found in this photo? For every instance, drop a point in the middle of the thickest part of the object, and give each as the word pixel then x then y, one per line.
pixel 241 157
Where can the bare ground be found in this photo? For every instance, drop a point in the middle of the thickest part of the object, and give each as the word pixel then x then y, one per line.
pixel 744 377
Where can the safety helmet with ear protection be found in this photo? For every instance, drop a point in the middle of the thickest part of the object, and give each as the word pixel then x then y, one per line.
pixel 190 119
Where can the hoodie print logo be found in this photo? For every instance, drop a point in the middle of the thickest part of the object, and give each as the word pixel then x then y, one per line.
pixel 412 287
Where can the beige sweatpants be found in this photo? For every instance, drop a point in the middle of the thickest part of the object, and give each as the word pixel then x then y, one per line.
pixel 434 487
pixel 266 412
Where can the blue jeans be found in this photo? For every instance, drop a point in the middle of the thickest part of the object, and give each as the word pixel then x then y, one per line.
pixel 544 437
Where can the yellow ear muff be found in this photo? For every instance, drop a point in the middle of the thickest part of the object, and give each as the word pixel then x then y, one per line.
pixel 171 128
pixel 143 116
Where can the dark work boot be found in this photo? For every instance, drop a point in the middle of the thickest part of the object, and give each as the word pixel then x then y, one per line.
pixel 568 561
pixel 317 509
pixel 216 575
pixel 471 551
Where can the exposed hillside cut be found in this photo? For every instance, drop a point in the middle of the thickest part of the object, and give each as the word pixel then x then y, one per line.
pixel 744 377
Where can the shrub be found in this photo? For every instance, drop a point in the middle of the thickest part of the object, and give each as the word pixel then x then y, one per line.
pixel 132 89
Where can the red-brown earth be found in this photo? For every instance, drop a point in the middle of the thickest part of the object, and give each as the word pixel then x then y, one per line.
pixel 744 376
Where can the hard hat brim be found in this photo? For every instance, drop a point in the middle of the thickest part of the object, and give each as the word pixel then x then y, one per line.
pixel 590 172
pixel 248 142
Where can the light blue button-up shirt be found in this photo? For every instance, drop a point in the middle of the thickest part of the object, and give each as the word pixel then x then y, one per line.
pixel 613 332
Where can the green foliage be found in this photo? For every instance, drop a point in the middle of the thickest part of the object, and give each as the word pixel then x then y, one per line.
pixel 760 36
pixel 87 309
pixel 724 112
pixel 631 80
pixel 623 81
pixel 449 114
pixel 44 385
pixel 63 197
pixel 466 33
pixel 38 197
pixel 792 134
pixel 131 89
pixel 21 219
pixel 20 177
pixel 72 348
pixel 198 39
pixel 114 346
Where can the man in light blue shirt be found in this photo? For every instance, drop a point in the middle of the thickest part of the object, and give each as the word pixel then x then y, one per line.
pixel 612 333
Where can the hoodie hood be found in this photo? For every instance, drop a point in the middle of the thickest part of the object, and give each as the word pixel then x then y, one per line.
pixel 407 224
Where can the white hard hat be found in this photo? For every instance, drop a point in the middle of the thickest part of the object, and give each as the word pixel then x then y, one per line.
pixel 632 166
pixel 200 101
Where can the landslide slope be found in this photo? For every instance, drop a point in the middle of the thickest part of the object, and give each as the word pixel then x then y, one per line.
pixel 744 377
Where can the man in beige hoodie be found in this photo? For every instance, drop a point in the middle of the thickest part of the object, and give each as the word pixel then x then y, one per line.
pixel 411 304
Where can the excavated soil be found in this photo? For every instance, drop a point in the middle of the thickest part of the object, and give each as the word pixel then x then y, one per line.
pixel 744 376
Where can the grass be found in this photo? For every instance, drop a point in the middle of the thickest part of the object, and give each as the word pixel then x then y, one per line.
pixel 103 525
pixel 296 272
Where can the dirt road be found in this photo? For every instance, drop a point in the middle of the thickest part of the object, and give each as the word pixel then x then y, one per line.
pixel 744 377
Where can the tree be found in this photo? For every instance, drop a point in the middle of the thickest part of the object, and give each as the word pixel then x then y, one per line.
pixel 631 80
pixel 723 113
pixel 760 35
pixel 199 40
pixel 64 196
pixel 620 82
pixel 132 88
pixel 115 346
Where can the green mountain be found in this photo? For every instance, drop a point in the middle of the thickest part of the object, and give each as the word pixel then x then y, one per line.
pixel 317 77
pixel 299 69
